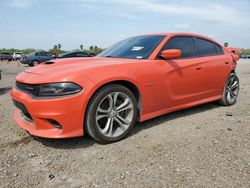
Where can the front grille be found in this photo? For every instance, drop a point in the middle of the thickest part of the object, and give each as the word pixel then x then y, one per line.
pixel 30 89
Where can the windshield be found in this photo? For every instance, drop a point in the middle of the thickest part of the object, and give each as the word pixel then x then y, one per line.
pixel 139 47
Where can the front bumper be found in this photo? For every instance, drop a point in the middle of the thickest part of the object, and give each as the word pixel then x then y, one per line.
pixel 39 114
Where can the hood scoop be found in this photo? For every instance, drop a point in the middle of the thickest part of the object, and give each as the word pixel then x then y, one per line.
pixel 49 63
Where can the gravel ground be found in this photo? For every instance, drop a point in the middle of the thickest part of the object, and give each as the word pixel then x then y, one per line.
pixel 205 146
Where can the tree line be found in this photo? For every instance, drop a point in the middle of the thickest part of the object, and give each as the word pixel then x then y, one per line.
pixel 57 49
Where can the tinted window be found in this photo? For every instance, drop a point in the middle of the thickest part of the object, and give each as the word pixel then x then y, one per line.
pixel 38 53
pixel 43 54
pixel 205 47
pixel 185 44
pixel 70 55
pixel 80 54
pixel 139 47
pixel 218 49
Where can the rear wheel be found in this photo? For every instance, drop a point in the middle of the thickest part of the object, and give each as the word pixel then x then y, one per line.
pixel 111 114
pixel 35 62
pixel 231 91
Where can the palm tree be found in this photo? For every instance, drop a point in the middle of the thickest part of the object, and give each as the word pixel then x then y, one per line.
pixel 91 48
pixel 226 44
pixel 59 46
pixel 55 47
pixel 81 47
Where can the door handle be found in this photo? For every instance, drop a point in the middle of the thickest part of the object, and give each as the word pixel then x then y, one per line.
pixel 198 68
pixel 226 62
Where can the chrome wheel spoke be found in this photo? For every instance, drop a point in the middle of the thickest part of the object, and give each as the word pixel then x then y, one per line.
pixel 124 121
pixel 228 96
pixel 234 85
pixel 111 101
pixel 126 108
pixel 101 116
pixel 123 105
pixel 115 99
pixel 107 126
pixel 232 94
pixel 100 110
pixel 230 82
pixel 121 125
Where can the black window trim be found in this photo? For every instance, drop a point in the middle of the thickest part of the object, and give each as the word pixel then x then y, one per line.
pixel 158 57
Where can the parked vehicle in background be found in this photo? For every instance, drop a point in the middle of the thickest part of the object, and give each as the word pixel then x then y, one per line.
pixel 17 56
pixel 73 55
pixel 36 57
pixel 5 56
pixel 134 80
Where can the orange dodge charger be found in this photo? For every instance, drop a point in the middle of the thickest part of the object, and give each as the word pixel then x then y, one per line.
pixel 134 80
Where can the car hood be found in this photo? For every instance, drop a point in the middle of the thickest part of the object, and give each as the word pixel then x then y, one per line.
pixel 76 65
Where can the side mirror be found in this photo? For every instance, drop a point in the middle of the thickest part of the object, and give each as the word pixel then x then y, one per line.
pixel 171 54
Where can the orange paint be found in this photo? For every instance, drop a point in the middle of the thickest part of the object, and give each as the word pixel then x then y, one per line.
pixel 164 86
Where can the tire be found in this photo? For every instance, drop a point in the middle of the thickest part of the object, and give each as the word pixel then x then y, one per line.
pixel 35 62
pixel 231 91
pixel 111 114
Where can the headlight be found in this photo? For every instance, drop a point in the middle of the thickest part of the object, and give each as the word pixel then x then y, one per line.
pixel 58 89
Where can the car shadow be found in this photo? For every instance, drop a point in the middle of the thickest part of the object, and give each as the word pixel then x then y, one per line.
pixel 174 115
pixel 5 90
pixel 86 141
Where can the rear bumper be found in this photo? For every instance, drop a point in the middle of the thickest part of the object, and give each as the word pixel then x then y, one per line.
pixel 68 112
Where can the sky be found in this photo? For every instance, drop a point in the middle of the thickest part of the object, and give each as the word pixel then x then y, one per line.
pixel 41 24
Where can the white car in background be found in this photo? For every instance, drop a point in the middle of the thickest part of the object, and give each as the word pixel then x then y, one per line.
pixel 17 56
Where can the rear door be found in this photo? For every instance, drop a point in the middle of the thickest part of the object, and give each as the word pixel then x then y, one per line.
pixel 214 65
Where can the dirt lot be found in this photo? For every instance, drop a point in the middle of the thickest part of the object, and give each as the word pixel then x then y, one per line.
pixel 205 146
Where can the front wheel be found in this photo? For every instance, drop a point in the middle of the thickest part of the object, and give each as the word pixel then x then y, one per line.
pixel 111 114
pixel 231 90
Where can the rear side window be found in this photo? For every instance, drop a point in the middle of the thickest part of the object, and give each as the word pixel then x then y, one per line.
pixel 218 49
pixel 205 47
pixel 185 44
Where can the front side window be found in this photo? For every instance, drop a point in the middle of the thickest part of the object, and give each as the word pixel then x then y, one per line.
pixel 183 43
pixel 140 47
pixel 205 47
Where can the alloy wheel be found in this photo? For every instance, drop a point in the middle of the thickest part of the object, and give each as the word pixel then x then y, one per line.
pixel 114 114
pixel 232 89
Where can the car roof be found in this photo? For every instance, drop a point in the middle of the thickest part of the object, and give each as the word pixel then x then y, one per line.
pixel 181 34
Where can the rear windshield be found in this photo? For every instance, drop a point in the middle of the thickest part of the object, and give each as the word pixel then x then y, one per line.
pixel 5 53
